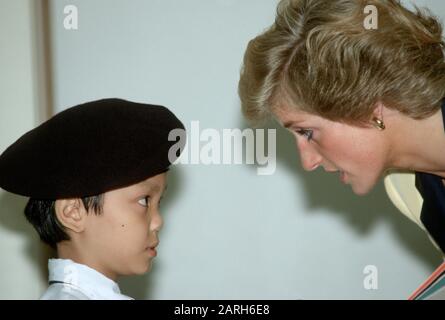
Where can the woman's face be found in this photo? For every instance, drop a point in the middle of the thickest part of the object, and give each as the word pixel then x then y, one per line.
pixel 125 235
pixel 357 154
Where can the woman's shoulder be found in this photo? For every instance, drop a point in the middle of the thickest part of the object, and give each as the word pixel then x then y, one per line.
pixel 401 189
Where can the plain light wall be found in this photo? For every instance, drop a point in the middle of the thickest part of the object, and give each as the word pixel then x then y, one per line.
pixel 22 268
pixel 228 233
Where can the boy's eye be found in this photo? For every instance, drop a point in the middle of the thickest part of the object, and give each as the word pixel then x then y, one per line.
pixel 144 201
pixel 307 133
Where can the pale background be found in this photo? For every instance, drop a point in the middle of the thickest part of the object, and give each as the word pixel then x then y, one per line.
pixel 229 233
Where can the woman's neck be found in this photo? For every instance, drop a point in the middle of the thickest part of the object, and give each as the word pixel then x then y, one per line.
pixel 417 145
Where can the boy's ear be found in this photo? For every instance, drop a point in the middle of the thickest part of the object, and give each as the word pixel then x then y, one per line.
pixel 71 214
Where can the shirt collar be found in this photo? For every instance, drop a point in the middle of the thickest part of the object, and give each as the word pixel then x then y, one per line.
pixel 85 279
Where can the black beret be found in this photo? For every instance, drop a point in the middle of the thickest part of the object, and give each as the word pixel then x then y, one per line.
pixel 90 149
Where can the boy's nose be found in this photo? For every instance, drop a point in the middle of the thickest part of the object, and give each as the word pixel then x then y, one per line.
pixel 156 222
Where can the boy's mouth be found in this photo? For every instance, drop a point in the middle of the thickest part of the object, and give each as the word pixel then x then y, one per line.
pixel 151 249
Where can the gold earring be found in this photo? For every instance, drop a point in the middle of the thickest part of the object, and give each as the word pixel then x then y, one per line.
pixel 378 123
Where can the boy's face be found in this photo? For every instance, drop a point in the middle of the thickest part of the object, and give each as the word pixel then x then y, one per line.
pixel 123 238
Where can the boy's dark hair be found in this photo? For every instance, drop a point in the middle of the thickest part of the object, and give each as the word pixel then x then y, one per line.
pixel 41 214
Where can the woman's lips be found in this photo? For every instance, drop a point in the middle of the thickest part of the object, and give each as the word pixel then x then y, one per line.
pixel 343 177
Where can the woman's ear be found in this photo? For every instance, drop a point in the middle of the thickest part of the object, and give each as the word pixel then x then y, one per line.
pixel 379 110
pixel 71 214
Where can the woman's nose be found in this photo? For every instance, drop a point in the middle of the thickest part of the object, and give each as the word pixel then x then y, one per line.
pixel 309 157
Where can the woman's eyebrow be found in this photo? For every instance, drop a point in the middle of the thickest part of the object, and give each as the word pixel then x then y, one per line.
pixel 289 123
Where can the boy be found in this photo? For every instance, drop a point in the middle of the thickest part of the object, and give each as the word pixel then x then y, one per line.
pixel 95 174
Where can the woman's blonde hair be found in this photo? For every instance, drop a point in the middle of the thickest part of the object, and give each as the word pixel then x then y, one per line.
pixel 319 57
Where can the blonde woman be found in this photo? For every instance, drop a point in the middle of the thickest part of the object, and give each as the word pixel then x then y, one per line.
pixel 360 102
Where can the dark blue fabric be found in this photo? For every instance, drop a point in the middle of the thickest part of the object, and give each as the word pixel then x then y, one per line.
pixel 433 209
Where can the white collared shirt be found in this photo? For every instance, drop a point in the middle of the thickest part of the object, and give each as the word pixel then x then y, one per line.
pixel 73 281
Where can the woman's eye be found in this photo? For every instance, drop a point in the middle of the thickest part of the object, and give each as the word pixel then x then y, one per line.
pixel 144 201
pixel 307 133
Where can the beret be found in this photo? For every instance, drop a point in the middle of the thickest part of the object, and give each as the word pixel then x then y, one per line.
pixel 90 149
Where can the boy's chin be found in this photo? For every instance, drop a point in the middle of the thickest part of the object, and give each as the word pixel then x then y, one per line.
pixel 138 269
pixel 144 268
